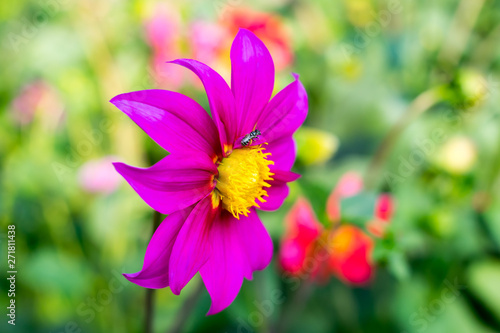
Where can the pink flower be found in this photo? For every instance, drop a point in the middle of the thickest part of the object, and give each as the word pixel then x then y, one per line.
pixel 349 185
pixel 302 230
pixel 163 31
pixel 207 40
pixel 99 176
pixel 270 28
pixel 210 40
pixel 38 97
pixel 212 183
pixel 383 214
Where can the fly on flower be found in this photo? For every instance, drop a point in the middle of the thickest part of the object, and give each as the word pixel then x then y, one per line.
pixel 247 139
pixel 211 184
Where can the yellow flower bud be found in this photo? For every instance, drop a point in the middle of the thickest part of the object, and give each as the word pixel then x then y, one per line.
pixel 315 147
pixel 473 88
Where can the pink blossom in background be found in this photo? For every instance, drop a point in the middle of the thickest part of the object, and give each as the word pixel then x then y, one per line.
pixel 99 176
pixel 163 29
pixel 38 97
pixel 210 40
pixel 270 28
pixel 302 230
pixel 384 209
pixel 206 39
pixel 350 184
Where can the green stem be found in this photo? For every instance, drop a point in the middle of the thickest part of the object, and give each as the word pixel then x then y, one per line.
pixel 423 102
pixel 259 285
pixel 295 306
pixel 492 179
pixel 460 31
pixel 186 310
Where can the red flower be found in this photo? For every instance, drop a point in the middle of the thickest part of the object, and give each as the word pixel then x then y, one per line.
pixel 383 214
pixel 269 28
pixel 350 257
pixel 348 248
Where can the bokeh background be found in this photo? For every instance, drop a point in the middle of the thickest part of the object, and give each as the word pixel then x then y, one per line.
pixel 403 98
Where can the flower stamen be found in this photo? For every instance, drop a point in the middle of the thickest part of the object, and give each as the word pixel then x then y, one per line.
pixel 243 177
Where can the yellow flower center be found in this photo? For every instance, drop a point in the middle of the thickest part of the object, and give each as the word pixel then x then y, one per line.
pixel 242 179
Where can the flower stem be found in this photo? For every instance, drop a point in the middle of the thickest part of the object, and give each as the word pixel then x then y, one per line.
pixel 150 293
pixel 419 105
pixel 186 310
pixel 461 28
pixel 260 294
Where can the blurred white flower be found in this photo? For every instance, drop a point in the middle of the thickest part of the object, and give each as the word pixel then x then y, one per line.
pixel 458 155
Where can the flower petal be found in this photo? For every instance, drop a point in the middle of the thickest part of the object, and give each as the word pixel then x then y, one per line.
pixel 302 223
pixel 278 191
pixel 351 255
pixel 252 78
pixel 174 121
pixel 283 152
pixel 357 268
pixel 220 98
pixel 193 245
pixel 292 256
pixel 223 272
pixel 255 242
pixel 284 176
pixel 155 270
pixel 350 184
pixel 174 183
pixel 285 112
pixel 384 207
pixel 277 194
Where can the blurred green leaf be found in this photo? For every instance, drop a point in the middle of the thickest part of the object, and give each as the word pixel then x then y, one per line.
pixel 398 265
pixel 483 279
pixel 358 209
